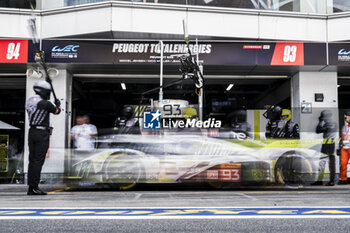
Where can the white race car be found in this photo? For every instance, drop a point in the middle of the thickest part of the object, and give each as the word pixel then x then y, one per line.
pixel 124 160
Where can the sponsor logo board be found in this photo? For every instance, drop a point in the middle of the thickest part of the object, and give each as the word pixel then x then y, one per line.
pixel 68 51
pixel 214 53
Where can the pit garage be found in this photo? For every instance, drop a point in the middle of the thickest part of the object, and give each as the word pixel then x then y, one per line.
pixel 103 98
pixel 12 118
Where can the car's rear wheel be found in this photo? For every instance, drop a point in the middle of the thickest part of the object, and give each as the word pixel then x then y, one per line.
pixel 292 168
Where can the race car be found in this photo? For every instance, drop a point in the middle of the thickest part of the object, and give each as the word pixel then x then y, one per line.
pixel 125 160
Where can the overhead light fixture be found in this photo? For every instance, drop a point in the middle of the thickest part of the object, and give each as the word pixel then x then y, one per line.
pixel 32 73
pixel 229 87
pixel 53 72
pixel 338 85
pixel 123 86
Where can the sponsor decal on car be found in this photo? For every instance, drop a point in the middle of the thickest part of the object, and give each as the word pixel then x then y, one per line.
pixel 212 174
pixel 230 172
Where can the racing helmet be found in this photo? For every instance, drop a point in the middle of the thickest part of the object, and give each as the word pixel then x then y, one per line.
pixel 128 111
pixel 326 115
pixel 43 89
pixel 190 113
pixel 273 113
pixel 347 112
pixel 286 114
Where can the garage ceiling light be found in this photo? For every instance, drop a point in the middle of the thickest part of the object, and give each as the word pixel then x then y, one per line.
pixel 229 87
pixel 123 86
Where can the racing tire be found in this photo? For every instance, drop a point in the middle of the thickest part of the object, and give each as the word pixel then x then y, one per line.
pixel 122 171
pixel 292 168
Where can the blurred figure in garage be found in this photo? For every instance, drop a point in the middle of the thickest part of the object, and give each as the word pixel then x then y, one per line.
pixel 276 126
pixel 127 123
pixel 239 123
pixel 292 128
pixel 84 134
pixel 329 129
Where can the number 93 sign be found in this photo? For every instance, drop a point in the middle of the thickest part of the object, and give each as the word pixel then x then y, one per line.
pixel 288 54
pixel 13 51
pixel 171 108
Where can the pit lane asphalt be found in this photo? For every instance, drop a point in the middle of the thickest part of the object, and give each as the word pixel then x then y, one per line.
pixel 172 226
pixel 61 196
pixel 14 196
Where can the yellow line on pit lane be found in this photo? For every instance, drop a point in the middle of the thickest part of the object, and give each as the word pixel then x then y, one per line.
pixel 59 190
pixel 177 213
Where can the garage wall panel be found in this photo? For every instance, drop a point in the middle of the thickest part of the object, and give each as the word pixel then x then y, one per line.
pixel 292 28
pixel 338 28
pixel 223 25
pixel 14 24
pixel 148 20
pixel 76 22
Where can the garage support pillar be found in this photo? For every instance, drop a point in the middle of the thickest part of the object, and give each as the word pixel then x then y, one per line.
pixel 313 92
pixel 54 164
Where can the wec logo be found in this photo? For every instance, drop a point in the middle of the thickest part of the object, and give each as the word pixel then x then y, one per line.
pixel 68 48
pixel 343 52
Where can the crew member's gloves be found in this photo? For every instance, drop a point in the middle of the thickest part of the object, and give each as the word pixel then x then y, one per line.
pixel 57 103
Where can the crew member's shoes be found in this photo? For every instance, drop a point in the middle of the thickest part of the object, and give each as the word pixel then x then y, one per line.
pixel 330 183
pixel 35 191
pixel 342 182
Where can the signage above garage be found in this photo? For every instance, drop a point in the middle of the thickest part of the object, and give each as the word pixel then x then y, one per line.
pixel 13 51
pixel 210 53
pixel 148 52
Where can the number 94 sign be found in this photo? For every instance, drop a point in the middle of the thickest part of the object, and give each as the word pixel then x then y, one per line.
pixel 13 51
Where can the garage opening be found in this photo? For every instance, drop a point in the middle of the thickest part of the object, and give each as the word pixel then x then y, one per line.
pixel 12 117
pixel 103 99
pixel 343 98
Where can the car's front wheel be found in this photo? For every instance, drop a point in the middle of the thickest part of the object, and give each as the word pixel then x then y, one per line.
pixel 122 171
